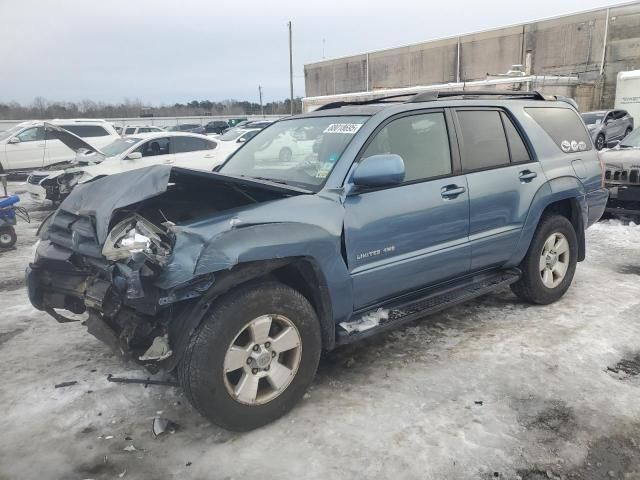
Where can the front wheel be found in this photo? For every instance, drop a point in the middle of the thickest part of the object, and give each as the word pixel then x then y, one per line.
pixel 550 263
pixel 600 142
pixel 253 357
pixel 8 237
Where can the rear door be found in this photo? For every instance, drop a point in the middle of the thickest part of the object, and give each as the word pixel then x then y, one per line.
pixel 412 235
pixel 28 153
pixel 502 178
pixel 193 152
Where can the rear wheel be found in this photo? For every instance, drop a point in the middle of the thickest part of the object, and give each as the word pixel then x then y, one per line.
pixel 253 357
pixel 8 237
pixel 550 263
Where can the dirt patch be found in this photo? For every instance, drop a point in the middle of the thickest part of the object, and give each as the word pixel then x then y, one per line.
pixel 626 367
pixel 552 418
pixel 629 269
pixel 11 284
pixel 6 336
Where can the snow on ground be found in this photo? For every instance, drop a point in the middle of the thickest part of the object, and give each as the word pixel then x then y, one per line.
pixel 491 389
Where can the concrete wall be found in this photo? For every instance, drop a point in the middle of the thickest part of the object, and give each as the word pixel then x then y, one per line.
pixel 569 45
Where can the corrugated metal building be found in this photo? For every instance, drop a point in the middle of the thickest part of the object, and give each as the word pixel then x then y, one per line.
pixel 593 45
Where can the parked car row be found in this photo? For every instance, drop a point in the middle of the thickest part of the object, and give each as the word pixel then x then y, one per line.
pixel 184 149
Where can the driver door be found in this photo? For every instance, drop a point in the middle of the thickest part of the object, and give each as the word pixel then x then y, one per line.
pixel 415 234
pixel 154 152
pixel 28 152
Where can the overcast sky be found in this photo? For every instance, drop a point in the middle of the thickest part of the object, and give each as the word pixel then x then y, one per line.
pixel 173 51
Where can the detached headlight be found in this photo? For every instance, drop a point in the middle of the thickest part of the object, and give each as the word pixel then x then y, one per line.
pixel 136 235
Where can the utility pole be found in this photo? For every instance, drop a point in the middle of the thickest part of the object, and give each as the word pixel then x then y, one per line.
pixel 290 67
pixel 261 107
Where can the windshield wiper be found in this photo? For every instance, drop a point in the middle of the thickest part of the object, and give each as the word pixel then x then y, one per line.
pixel 272 180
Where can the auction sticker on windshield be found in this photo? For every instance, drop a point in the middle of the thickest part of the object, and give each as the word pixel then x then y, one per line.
pixel 349 128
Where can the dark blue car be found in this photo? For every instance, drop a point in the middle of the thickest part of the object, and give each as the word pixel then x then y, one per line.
pixel 381 212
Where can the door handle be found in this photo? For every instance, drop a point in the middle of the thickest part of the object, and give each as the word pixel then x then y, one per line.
pixel 527 175
pixel 451 191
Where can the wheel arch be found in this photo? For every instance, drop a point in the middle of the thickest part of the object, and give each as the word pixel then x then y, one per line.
pixel 300 273
pixel 564 196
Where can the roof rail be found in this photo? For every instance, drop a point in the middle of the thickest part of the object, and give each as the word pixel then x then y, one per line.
pixel 364 102
pixel 435 95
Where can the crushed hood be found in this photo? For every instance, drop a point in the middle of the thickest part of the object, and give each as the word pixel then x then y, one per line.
pixel 178 195
pixel 74 142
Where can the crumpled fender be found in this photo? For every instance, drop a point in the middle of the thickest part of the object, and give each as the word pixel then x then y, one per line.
pixel 296 227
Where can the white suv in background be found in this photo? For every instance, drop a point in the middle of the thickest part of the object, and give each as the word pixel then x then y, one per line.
pixel 25 147
pixel 137 129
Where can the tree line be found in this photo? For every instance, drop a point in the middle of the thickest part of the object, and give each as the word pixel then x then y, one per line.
pixel 42 108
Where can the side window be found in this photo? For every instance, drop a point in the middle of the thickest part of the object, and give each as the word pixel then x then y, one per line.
pixel 422 142
pixel 564 126
pixel 517 148
pixel 155 147
pixel 144 130
pixel 35 134
pixel 85 131
pixel 129 131
pixel 248 135
pixel 483 142
pixel 620 114
pixel 190 144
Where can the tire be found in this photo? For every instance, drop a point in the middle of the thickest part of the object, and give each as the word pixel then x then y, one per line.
pixel 285 155
pixel 627 131
pixel 212 390
pixel 531 286
pixel 8 237
pixel 600 142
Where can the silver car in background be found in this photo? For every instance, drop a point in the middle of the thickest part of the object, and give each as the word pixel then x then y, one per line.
pixel 607 126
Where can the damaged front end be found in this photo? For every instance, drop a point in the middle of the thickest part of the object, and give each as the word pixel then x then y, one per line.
pixel 113 259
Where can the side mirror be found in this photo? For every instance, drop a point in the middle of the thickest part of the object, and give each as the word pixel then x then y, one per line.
pixel 14 140
pixel 241 140
pixel 379 171
pixel 133 156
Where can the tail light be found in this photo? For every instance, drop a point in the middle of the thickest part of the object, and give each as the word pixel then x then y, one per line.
pixel 601 169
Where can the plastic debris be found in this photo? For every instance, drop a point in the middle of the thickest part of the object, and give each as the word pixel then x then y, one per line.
pixel 163 425
pixel 66 384
pixel 130 448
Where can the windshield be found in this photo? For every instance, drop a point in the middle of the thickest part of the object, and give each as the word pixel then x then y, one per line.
pixel 231 134
pixel 632 140
pixel 593 118
pixel 118 146
pixel 9 133
pixel 299 152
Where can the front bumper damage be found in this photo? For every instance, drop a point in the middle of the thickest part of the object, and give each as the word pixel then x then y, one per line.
pixel 122 262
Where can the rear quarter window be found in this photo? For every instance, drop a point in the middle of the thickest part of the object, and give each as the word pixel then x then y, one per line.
pixel 564 126
pixel 85 131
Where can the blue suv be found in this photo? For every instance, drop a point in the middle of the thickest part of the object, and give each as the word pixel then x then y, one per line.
pixel 380 213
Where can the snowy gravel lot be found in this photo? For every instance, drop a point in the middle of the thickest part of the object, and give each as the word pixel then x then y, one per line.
pixel 491 389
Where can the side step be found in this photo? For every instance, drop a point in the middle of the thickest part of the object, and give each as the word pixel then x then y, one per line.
pixel 396 313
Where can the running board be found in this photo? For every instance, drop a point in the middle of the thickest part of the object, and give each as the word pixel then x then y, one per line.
pixel 393 314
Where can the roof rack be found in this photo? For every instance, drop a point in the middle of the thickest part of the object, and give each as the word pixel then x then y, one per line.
pixel 435 95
